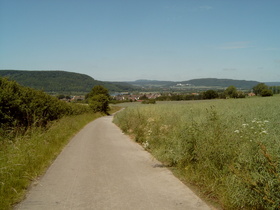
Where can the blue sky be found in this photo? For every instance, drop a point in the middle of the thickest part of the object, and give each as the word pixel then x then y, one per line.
pixel 125 40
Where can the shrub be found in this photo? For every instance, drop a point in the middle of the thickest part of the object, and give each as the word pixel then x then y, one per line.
pixel 99 99
pixel 266 92
pixel 23 107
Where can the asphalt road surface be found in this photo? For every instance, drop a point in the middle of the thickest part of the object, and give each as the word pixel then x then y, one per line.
pixel 101 168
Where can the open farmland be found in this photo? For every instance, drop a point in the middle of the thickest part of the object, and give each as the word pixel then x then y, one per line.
pixel 228 148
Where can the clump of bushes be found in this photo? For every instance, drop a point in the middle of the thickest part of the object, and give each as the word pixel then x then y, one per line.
pixel 22 107
pixel 98 99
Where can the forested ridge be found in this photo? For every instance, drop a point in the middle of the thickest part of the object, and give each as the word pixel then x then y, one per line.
pixel 61 82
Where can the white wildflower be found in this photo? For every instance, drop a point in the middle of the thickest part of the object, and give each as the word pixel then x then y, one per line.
pixel 236 131
pixel 266 121
pixel 245 124
pixel 145 144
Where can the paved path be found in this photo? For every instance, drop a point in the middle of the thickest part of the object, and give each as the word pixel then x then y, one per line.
pixel 101 168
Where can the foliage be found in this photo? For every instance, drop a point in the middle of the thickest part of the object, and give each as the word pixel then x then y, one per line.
pixel 229 148
pixel 231 92
pixel 266 92
pixel 99 103
pixel 23 107
pixel 262 89
pixel 210 94
pixel 274 89
pixel 61 82
pixel 98 99
pixel 97 90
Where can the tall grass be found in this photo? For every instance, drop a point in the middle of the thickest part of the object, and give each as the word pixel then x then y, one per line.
pixel 229 148
pixel 25 157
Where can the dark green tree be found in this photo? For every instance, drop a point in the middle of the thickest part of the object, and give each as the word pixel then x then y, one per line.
pixel 259 88
pixel 210 94
pixel 98 99
pixel 266 92
pixel 231 92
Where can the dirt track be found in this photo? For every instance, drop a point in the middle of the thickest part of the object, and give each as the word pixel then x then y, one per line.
pixel 101 168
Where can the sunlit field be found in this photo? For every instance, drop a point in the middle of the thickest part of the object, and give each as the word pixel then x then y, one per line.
pixel 230 148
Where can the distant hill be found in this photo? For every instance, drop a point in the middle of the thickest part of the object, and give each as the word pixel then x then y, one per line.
pixel 272 83
pixel 207 82
pixel 61 82
pixel 243 84
pixel 145 82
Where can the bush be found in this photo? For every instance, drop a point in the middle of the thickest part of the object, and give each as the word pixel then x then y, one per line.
pixel 99 103
pixel 266 92
pixel 23 107
pixel 98 99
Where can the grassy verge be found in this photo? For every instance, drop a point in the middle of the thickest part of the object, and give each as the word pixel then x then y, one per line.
pixel 26 157
pixel 228 148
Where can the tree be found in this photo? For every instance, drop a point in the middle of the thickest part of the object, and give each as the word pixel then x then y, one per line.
pixel 231 92
pixel 96 90
pixel 266 92
pixel 98 99
pixel 210 94
pixel 259 88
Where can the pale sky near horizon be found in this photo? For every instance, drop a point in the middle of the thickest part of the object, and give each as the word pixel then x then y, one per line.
pixel 126 40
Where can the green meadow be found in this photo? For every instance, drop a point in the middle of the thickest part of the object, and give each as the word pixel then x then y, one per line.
pixel 228 149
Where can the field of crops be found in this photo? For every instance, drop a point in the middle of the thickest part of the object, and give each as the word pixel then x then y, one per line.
pixel 230 149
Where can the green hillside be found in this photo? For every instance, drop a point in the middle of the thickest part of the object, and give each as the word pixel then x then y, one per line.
pixel 60 82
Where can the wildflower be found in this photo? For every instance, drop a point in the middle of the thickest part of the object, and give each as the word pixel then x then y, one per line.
pixel 266 121
pixel 145 144
pixel 236 131
pixel 244 125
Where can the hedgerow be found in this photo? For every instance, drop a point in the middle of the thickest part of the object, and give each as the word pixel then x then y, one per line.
pixel 22 107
